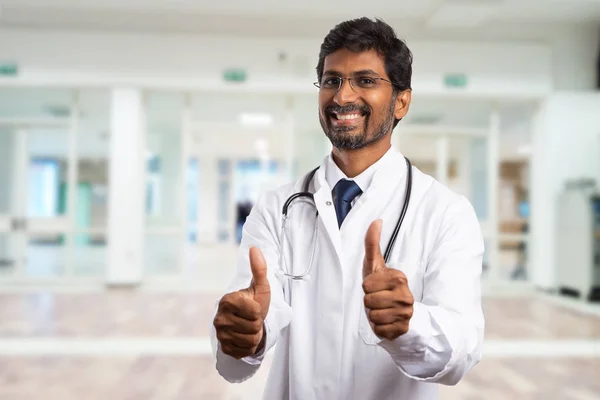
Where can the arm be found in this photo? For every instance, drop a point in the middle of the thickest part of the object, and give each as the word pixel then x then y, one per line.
pixel 259 231
pixel 445 333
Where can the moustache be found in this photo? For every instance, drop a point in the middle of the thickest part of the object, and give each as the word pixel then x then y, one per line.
pixel 337 109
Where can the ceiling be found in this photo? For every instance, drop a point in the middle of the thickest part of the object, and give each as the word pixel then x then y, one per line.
pixel 297 18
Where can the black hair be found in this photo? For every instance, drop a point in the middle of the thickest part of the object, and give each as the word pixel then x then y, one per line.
pixel 364 34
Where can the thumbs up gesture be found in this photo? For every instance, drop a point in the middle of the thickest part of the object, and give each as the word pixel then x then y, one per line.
pixel 388 299
pixel 240 315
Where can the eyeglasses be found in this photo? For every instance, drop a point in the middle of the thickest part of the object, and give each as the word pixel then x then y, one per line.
pixel 357 82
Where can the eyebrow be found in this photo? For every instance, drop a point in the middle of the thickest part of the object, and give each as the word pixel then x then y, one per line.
pixel 361 72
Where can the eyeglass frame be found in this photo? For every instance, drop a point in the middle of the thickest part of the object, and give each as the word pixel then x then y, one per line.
pixel 350 79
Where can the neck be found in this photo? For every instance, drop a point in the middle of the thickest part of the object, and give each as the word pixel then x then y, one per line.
pixel 354 162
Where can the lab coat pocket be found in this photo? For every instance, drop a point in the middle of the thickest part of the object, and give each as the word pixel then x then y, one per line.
pixel 414 275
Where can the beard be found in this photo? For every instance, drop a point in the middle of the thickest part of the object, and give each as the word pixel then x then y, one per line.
pixel 344 137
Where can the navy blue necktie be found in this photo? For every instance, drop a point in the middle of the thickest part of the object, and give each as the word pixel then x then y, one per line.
pixel 344 192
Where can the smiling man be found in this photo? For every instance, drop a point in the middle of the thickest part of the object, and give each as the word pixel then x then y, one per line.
pixel 376 295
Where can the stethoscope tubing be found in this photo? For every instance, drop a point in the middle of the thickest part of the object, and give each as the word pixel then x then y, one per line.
pixel 305 193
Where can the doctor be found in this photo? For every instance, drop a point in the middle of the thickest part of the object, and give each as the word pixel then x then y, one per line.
pixel 354 326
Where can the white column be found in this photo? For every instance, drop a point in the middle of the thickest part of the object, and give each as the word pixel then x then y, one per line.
pixel 126 192
pixel 17 240
pixel 442 159
pixel 493 169
pixel 542 217
pixel 463 168
pixel 7 139
pixel 19 174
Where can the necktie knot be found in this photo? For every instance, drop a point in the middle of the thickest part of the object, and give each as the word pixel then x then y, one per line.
pixel 344 192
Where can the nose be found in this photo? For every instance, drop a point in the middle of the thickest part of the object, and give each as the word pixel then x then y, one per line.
pixel 345 94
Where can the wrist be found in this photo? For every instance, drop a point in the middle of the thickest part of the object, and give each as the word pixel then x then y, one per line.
pixel 263 341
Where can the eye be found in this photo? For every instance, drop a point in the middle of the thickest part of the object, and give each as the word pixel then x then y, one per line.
pixel 366 82
pixel 331 82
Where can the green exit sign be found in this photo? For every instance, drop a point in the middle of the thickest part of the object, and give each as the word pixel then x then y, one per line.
pixel 235 75
pixel 455 80
pixel 8 69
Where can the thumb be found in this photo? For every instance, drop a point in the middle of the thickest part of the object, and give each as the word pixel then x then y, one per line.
pixel 258 265
pixel 373 261
pixel 260 288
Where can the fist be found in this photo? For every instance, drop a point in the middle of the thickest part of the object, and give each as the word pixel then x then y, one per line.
pixel 240 315
pixel 388 299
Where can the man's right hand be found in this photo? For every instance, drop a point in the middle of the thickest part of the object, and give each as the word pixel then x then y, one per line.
pixel 240 316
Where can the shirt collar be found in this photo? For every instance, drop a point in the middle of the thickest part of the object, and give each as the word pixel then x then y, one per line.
pixel 333 173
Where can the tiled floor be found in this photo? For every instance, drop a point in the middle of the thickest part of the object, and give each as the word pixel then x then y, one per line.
pixel 118 313
pixel 177 317
pixel 163 378
pixel 123 313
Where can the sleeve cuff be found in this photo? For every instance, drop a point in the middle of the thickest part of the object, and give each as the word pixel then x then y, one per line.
pixel 415 341
pixel 269 342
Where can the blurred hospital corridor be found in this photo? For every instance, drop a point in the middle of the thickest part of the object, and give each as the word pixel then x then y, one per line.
pixel 136 136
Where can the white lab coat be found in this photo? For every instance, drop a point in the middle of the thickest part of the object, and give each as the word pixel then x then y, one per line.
pixel 326 348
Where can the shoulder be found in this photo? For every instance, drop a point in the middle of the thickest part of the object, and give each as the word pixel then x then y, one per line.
pixel 447 209
pixel 270 202
pixel 436 195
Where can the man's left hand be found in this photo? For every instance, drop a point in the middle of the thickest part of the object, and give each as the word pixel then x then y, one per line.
pixel 388 299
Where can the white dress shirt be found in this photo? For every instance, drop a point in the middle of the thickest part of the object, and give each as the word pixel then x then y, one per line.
pixel 334 174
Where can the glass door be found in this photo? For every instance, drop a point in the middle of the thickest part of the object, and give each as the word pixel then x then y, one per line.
pixel 34 223
pixel 47 206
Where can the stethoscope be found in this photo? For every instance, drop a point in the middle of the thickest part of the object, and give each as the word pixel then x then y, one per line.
pixel 305 194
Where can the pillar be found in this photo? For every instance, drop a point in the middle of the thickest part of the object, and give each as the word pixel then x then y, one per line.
pixel 493 173
pixel 127 188
pixel 443 158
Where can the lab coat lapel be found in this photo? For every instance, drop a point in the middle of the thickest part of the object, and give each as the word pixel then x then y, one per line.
pixel 327 215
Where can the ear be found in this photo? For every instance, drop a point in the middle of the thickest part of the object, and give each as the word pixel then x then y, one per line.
pixel 402 103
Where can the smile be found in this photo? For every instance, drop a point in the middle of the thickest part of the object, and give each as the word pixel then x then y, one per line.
pixel 345 118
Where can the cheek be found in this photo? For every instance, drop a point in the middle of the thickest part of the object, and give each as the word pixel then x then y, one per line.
pixel 378 105
pixel 324 100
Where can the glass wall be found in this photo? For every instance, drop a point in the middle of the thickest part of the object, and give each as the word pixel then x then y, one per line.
pixel 46 193
pixel 52 137
pixel 201 183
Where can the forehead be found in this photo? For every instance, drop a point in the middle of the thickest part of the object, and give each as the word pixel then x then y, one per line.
pixel 345 62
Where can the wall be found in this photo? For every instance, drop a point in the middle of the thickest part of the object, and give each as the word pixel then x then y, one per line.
pixel 566 145
pixel 574 57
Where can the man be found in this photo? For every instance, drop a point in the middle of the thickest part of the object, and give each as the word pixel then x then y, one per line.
pixel 358 328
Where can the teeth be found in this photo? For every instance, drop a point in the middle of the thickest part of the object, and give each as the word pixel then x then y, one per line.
pixel 348 116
